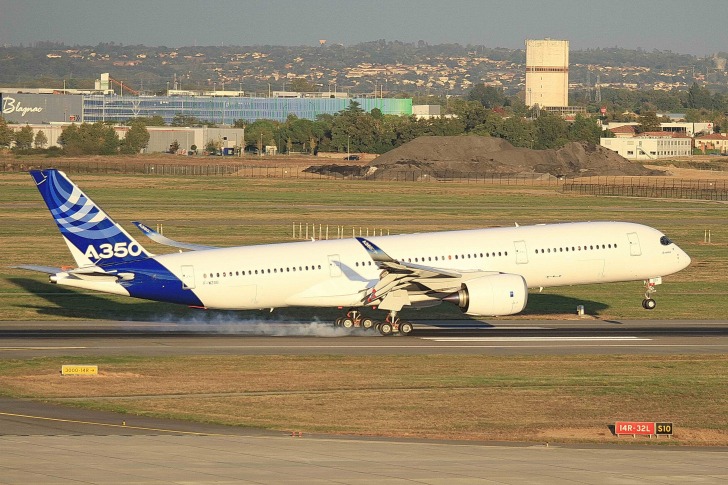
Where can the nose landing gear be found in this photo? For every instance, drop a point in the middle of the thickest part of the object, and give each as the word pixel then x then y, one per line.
pixel 648 303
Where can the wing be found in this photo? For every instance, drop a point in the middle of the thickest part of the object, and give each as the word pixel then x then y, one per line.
pixel 399 276
pixel 158 238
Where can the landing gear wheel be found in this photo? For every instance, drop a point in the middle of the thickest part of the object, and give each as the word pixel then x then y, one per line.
pixel 385 328
pixel 405 328
pixel 337 322
pixel 367 323
pixel 347 322
pixel 649 304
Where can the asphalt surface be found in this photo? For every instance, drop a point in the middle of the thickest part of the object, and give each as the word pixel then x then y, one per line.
pixel 504 337
pixel 47 444
pixel 42 443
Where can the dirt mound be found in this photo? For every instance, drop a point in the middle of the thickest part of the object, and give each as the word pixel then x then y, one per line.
pixel 457 156
pixel 338 171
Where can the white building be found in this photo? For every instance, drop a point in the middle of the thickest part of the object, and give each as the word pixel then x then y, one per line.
pixel 160 137
pixel 547 73
pixel 651 145
pixel 426 111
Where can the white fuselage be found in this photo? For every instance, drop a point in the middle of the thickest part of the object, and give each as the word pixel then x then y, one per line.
pixel 338 272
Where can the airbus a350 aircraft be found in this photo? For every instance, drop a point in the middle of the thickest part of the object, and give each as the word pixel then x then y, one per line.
pixel 486 272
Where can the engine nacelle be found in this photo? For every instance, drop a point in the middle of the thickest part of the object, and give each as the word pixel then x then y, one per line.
pixel 493 295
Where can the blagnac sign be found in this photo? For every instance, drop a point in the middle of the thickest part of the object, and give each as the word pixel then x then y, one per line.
pixel 11 105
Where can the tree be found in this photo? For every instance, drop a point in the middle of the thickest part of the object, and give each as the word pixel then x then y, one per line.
pixel 649 122
pixel 551 131
pixel 155 120
pixel 6 133
pixel 488 96
pixel 41 140
pixel 89 139
pixel 24 138
pixel 585 129
pixel 699 97
pixel 302 85
pixel 211 148
pixel 136 138
pixel 261 133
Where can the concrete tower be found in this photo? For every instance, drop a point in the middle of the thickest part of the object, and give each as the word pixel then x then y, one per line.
pixel 547 73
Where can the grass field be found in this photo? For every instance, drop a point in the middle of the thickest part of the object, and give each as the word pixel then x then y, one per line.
pixel 544 398
pixel 473 397
pixel 232 211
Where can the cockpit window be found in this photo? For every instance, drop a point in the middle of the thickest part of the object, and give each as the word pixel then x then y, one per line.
pixel 665 241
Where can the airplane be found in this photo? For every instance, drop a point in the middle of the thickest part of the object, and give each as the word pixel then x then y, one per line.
pixel 485 272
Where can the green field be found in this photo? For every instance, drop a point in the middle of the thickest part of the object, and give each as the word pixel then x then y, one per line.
pixel 570 398
pixel 235 211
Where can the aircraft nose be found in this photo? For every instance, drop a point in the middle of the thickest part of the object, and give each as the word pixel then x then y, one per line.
pixel 683 258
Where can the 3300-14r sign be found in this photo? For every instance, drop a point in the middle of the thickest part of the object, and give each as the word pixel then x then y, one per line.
pixel 642 428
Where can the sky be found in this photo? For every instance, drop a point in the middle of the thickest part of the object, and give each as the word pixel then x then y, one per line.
pixel 696 27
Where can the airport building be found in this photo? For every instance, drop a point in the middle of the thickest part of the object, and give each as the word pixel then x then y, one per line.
pixel 189 139
pixel 19 106
pixel 651 145
pixel 547 73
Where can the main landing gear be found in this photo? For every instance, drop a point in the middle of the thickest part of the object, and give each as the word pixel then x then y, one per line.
pixel 391 325
pixel 354 318
pixel 648 303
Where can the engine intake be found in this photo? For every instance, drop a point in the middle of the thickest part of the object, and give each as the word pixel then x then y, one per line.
pixel 493 295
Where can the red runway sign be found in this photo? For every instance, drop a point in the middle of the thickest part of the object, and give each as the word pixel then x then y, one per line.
pixel 634 427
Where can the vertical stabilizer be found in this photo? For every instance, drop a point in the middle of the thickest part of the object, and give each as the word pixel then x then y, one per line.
pixel 92 236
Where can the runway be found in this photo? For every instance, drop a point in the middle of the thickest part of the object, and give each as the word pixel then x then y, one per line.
pixel 41 443
pixel 504 337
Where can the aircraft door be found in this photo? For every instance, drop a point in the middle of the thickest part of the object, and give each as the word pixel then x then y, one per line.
pixel 634 244
pixel 334 265
pixel 521 252
pixel 188 277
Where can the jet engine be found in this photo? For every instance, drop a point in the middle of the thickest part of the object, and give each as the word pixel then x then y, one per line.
pixel 492 295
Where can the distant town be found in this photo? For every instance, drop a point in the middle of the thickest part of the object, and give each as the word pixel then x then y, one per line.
pixel 367 98
pixel 389 68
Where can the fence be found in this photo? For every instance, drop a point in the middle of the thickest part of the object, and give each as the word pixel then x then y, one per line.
pixel 657 187
pixel 666 188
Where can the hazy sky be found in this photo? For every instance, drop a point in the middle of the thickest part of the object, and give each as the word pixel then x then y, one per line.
pixel 692 27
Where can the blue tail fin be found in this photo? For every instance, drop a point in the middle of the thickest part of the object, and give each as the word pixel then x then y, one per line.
pixel 92 236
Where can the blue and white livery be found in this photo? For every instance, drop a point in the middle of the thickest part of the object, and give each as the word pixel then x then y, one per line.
pixel 483 271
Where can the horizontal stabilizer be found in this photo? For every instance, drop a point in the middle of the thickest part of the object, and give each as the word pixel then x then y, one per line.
pixel 158 238
pixel 40 269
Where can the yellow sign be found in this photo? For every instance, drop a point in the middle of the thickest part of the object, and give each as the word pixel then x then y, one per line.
pixel 79 370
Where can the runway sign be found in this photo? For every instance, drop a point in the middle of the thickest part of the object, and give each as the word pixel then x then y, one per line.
pixel 663 428
pixel 634 428
pixel 79 370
